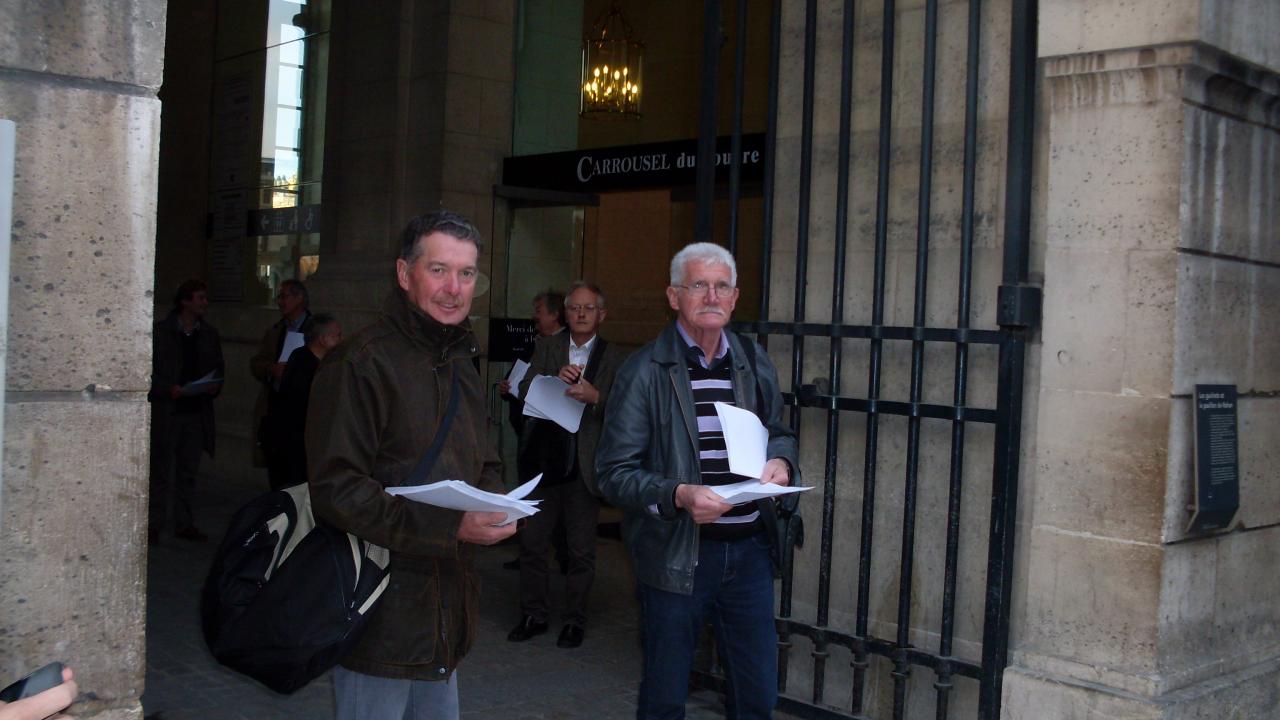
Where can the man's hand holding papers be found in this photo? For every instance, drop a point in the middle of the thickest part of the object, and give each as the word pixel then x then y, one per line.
pixel 746 441
pixel 546 399
pixel 457 495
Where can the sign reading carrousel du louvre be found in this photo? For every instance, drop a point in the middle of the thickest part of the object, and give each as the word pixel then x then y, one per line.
pixel 630 167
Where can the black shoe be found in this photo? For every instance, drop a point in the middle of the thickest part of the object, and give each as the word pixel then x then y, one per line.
pixel 570 636
pixel 527 628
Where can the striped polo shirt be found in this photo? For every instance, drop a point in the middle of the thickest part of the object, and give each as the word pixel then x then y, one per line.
pixel 711 385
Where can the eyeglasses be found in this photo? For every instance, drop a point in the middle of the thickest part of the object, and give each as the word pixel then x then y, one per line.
pixel 580 308
pixel 723 289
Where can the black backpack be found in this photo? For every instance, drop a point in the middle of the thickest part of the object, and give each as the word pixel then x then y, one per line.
pixel 286 596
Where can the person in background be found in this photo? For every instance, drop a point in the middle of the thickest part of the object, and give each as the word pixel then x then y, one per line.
pixel 566 460
pixel 286 423
pixel 548 320
pixel 186 375
pixel 267 367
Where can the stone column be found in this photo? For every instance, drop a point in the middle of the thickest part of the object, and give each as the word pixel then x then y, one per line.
pixel 80 81
pixel 1159 147
pixel 419 119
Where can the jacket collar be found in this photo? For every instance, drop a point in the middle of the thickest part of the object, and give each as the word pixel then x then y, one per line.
pixel 444 342
pixel 670 348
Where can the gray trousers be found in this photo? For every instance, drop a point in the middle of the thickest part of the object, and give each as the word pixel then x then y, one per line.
pixel 364 697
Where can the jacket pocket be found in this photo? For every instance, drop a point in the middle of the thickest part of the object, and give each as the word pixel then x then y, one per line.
pixel 405 628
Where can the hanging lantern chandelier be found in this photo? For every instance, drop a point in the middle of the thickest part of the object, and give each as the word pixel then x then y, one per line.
pixel 611 66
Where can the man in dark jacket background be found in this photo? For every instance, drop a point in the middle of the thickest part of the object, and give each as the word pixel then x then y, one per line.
pixel 186 375
pixel 378 402
pixel 267 367
pixel 661 452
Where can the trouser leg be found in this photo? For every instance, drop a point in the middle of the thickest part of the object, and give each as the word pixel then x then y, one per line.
pixel 581 515
pixel 669 627
pixel 163 468
pixel 535 542
pixel 434 700
pixel 746 635
pixel 365 697
pixel 189 445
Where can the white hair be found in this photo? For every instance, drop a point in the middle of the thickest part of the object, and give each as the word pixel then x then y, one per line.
pixel 706 253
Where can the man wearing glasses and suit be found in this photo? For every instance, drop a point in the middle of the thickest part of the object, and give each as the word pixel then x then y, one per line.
pixel 566 460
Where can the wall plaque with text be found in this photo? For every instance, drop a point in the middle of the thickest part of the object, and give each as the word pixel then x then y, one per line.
pixel 510 339
pixel 1217 464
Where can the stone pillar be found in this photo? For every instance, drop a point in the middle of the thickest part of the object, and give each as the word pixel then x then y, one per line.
pixel 80 81
pixel 419 119
pixel 1159 147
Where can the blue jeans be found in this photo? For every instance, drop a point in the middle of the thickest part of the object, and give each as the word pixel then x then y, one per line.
pixel 366 697
pixel 733 586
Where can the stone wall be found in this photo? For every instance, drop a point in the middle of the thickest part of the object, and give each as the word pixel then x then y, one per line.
pixel 80 81
pixel 1158 144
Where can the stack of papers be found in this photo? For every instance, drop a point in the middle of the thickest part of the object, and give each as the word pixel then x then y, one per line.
pixel 457 495
pixel 746 441
pixel 546 400
pixel 198 385
pixel 748 490
pixel 516 375
pixel 292 341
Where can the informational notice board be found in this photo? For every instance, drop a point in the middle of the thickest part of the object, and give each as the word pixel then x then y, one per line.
pixel 1217 459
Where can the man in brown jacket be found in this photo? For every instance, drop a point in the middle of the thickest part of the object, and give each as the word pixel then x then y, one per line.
pixel 377 404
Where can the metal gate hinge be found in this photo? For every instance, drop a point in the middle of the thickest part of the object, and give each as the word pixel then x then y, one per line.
pixel 1019 307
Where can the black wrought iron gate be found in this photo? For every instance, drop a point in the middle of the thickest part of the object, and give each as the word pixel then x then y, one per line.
pixel 1016 315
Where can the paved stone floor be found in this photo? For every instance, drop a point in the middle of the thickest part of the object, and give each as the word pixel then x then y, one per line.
pixel 499 679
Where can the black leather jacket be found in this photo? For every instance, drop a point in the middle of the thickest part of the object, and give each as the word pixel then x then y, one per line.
pixel 650 445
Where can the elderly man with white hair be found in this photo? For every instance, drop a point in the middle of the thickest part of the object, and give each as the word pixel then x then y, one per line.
pixel 662 449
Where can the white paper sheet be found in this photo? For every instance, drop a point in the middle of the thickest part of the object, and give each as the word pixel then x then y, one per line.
pixel 457 495
pixel 745 439
pixel 292 341
pixel 546 395
pixel 197 386
pixel 514 377
pixel 748 490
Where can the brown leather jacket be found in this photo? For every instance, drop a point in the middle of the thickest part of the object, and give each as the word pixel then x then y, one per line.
pixel 376 404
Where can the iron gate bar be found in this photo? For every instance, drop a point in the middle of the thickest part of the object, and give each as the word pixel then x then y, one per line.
pixel 735 145
pixel 766 240
pixel 877 332
pixel 706 170
pixel 1017 240
pixel 893 407
pixel 902 665
pixel 960 377
pixel 802 200
pixel 871 451
pixel 766 262
pixel 835 352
